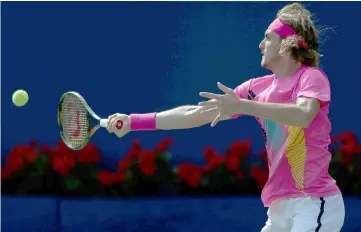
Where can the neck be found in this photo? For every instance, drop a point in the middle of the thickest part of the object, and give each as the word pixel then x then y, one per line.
pixel 285 68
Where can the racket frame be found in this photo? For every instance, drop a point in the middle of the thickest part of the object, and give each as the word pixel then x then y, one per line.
pixel 90 114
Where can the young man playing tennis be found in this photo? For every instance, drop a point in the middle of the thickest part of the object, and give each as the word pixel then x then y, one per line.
pixel 292 107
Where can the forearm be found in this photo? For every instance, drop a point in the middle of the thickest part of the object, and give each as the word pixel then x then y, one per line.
pixel 289 114
pixel 183 117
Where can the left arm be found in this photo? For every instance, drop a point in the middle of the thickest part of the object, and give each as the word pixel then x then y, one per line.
pixel 300 114
pixel 313 93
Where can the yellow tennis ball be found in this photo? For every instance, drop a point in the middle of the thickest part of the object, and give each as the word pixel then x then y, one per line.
pixel 20 97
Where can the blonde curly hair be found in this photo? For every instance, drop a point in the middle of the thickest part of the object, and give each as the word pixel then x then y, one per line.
pixel 300 19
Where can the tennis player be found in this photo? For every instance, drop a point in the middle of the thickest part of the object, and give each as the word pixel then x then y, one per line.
pixel 292 107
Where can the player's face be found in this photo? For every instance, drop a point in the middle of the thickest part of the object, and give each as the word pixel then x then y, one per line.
pixel 270 47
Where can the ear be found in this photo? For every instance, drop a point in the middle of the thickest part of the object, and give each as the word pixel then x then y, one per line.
pixel 281 49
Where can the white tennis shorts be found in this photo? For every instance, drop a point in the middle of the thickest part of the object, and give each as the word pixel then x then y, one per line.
pixel 306 214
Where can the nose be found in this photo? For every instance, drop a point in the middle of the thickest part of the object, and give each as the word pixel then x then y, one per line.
pixel 261 45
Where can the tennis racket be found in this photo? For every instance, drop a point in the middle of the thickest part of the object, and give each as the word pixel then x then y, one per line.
pixel 75 121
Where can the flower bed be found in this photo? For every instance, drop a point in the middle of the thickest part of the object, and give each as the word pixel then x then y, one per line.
pixel 43 170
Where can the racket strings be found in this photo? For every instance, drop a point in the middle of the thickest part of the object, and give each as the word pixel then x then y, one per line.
pixel 74 121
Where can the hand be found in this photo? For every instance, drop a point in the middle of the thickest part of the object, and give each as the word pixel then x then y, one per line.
pixel 112 124
pixel 226 105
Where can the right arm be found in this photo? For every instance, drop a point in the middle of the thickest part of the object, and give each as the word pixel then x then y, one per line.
pixel 189 116
pixel 184 117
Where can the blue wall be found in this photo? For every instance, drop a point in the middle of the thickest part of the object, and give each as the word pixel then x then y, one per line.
pixel 143 57
pixel 229 214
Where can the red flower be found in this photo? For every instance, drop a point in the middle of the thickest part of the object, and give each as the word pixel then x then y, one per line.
pixel 263 154
pixel 15 161
pixel 194 179
pixel 120 178
pixel 5 172
pixel 20 154
pixel 357 150
pixel 213 160
pixel 259 175
pixel 135 150
pixel 106 178
pixel 62 159
pixel 262 180
pixel 62 148
pixel 163 146
pixel 146 162
pixel 240 174
pixel 347 137
pixel 33 143
pixel 350 149
pixel 190 174
pixel 183 170
pixel 209 153
pixel 232 160
pixel 255 171
pixel 334 139
pixel 346 160
pixel 45 150
pixel 89 154
pixel 124 165
pixel 63 162
pixel 241 148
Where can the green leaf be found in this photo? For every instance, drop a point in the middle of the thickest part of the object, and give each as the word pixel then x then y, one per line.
pixel 35 174
pixel 337 157
pixel 39 164
pixel 43 158
pixel 129 174
pixel 72 183
pixel 93 173
pixel 204 181
pixel 165 156
pixel 256 163
pixel 332 173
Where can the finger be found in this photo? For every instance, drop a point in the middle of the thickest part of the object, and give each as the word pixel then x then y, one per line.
pixel 224 88
pixel 113 126
pixel 110 119
pixel 209 110
pixel 214 123
pixel 211 95
pixel 109 123
pixel 208 103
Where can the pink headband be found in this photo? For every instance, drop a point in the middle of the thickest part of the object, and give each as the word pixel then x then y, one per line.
pixel 284 30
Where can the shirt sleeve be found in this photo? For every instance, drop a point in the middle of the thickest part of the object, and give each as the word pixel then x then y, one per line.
pixel 315 84
pixel 242 92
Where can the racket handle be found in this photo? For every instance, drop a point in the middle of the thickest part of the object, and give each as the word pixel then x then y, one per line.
pixel 103 123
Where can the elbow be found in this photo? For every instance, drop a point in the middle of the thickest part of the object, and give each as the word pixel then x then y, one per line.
pixel 303 123
pixel 306 118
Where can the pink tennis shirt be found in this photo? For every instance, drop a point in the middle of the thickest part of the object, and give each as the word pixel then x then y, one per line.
pixel 298 157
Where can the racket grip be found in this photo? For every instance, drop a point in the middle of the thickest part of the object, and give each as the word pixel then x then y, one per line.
pixel 103 123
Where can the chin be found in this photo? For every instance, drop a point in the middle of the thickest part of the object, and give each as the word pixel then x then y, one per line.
pixel 266 63
pixel 263 64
